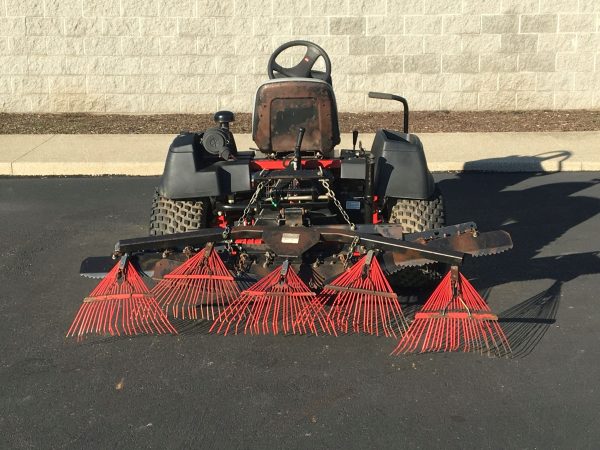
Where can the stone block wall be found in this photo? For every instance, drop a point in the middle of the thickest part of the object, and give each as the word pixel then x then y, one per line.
pixel 172 56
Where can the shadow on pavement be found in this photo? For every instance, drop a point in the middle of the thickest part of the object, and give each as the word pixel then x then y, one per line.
pixel 547 161
pixel 537 213
pixel 191 327
pixel 526 324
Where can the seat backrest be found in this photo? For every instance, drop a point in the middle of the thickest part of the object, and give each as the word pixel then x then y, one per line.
pixel 283 105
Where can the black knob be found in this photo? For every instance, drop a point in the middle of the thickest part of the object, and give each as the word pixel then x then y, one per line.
pixel 224 117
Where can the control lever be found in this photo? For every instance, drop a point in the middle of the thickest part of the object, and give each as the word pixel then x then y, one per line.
pixel 354 139
pixel 297 161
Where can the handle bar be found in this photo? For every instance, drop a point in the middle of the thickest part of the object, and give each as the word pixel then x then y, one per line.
pixel 384 96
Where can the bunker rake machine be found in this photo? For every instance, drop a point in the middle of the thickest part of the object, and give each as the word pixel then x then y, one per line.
pixel 294 237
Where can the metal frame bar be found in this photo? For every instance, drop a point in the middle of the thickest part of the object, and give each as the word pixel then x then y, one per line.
pixel 340 235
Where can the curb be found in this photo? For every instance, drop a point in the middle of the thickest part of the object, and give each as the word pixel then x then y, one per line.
pixel 144 154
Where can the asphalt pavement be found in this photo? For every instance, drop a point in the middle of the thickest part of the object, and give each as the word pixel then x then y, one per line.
pixel 197 390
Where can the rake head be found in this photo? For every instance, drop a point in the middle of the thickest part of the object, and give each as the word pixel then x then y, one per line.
pixel 120 304
pixel 454 318
pixel 363 300
pixel 199 288
pixel 279 299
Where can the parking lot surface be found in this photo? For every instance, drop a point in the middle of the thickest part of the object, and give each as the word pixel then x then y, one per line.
pixel 209 391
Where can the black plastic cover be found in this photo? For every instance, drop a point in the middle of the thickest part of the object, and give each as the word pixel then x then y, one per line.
pixel 400 166
pixel 190 173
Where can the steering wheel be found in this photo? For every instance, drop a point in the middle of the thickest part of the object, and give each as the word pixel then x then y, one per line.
pixel 304 69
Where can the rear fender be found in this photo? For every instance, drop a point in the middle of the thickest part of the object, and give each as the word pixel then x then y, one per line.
pixel 401 167
pixel 189 173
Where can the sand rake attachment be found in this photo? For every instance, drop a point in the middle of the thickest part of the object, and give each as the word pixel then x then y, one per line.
pixel 363 301
pixel 454 318
pixel 199 288
pixel 120 304
pixel 279 300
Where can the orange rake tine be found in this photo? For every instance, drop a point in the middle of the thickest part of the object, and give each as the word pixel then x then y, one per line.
pixel 363 301
pixel 454 318
pixel 199 288
pixel 280 298
pixel 120 304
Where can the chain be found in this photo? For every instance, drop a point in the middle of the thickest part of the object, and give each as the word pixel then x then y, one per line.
pixel 250 203
pixel 353 245
pixel 345 216
pixel 337 203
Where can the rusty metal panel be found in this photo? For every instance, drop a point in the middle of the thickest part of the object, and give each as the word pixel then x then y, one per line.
pixel 290 241
pixel 283 107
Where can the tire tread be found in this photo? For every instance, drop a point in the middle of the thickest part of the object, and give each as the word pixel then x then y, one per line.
pixel 415 216
pixel 176 216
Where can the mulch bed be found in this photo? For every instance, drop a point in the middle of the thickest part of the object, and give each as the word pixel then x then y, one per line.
pixel 420 121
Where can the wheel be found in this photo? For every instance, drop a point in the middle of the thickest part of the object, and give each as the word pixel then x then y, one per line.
pixel 304 69
pixel 176 216
pixel 415 216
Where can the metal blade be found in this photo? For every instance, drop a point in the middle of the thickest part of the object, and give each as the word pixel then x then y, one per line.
pixel 392 264
pixel 479 244
pixel 439 233
pixel 98 266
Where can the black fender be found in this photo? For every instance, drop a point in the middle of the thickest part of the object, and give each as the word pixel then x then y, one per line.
pixel 400 166
pixel 191 172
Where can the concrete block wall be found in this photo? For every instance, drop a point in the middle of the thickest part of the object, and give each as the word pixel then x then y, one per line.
pixel 172 56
